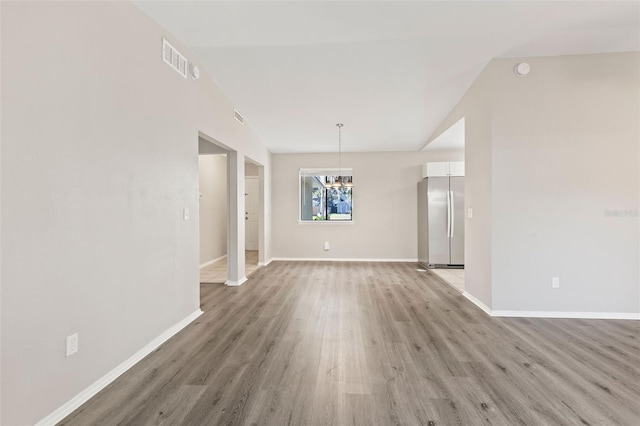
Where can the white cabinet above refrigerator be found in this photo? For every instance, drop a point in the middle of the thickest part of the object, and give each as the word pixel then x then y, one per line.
pixel 436 169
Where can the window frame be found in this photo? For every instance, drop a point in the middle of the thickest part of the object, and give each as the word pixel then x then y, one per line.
pixel 323 171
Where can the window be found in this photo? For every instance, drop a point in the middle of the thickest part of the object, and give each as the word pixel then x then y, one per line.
pixel 319 203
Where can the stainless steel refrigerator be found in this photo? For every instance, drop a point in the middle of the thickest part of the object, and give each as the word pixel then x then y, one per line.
pixel 441 222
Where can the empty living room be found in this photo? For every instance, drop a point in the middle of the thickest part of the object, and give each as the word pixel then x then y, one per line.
pixel 319 213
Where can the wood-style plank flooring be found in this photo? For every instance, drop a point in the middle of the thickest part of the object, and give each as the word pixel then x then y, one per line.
pixel 324 343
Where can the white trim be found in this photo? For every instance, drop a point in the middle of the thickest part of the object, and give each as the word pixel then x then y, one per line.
pixel 75 402
pixel 265 263
pixel 211 262
pixel 338 259
pixel 236 283
pixel 477 302
pixel 552 314
pixel 573 315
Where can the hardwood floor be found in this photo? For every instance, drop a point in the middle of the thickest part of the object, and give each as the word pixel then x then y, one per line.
pixel 323 343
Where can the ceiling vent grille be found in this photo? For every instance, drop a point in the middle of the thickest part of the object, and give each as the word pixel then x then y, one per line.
pixel 238 116
pixel 174 58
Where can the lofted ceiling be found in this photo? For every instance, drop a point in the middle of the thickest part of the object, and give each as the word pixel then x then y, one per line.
pixel 391 71
pixel 452 138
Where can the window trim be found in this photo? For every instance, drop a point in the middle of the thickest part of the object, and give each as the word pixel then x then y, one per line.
pixel 323 171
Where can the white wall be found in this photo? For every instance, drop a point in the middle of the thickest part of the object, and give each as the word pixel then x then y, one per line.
pixel 384 206
pixel 213 207
pixel 476 108
pixel 99 159
pixel 563 156
pixel 555 150
pixel 251 170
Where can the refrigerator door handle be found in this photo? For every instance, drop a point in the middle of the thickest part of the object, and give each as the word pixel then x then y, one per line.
pixel 448 215
pixel 453 209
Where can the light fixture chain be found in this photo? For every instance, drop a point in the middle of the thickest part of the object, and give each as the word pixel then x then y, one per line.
pixel 339 125
pixel 339 151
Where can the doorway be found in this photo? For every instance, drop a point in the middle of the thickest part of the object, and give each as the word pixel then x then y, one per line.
pixel 213 211
pixel 446 149
pixel 251 214
pixel 252 207
pixel 232 214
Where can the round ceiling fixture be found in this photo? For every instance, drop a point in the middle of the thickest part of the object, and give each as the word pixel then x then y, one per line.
pixel 521 69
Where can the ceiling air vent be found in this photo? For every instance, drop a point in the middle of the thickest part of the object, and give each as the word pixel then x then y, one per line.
pixel 175 60
pixel 238 116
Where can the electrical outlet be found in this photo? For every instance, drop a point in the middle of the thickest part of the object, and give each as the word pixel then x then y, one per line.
pixel 555 282
pixel 72 344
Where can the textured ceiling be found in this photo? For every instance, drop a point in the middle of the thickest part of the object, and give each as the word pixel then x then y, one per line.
pixel 390 71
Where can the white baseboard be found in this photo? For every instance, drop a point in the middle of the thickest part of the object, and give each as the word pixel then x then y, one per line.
pixel 211 262
pixel 477 302
pixel 105 380
pixel 573 315
pixel 236 283
pixel 340 259
pixel 552 314
pixel 265 263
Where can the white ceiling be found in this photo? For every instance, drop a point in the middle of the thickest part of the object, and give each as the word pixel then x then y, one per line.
pixel 452 138
pixel 390 71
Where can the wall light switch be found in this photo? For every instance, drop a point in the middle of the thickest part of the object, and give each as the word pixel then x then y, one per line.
pixel 326 246
pixel 72 344
pixel 469 212
pixel 185 214
pixel 555 282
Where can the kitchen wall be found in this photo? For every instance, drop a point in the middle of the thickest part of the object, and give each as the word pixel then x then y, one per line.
pixel 99 159
pixel 212 178
pixel 384 206
pixel 557 149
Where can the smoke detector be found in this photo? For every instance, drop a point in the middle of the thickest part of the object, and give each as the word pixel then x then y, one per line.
pixel 195 72
pixel 521 69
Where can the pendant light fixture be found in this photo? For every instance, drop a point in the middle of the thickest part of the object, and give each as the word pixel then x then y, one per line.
pixel 340 181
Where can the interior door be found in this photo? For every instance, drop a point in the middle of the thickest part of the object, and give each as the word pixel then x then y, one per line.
pixel 456 186
pixel 438 190
pixel 251 204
